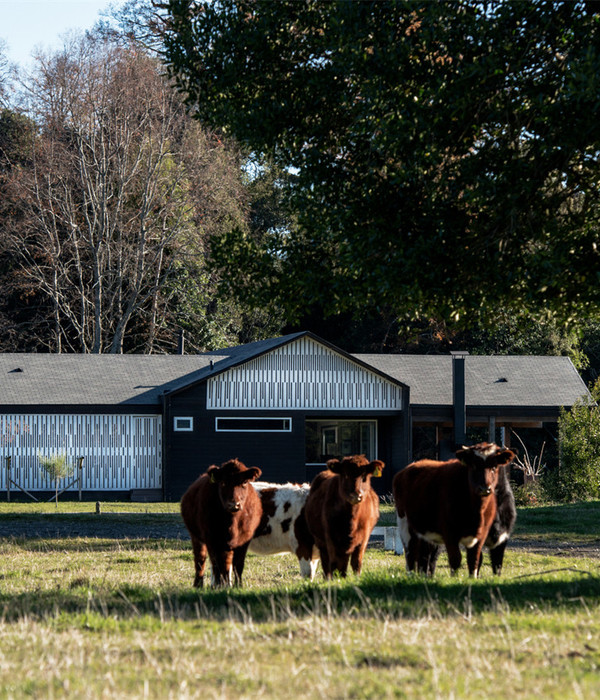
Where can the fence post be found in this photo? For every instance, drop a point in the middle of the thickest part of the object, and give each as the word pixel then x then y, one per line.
pixel 80 475
pixel 8 460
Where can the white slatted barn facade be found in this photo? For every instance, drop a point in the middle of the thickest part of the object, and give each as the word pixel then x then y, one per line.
pixel 121 452
pixel 303 374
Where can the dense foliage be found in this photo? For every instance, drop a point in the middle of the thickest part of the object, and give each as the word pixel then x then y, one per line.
pixel 442 157
pixel 578 475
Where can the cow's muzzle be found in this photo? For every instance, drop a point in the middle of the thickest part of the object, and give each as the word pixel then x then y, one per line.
pixel 355 498
pixel 234 507
pixel 485 491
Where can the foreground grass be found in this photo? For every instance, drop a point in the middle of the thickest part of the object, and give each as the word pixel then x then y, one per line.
pixel 101 618
pixel 106 618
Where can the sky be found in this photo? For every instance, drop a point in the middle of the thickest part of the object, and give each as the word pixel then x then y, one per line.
pixel 27 24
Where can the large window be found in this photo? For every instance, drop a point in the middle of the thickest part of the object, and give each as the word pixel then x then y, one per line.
pixel 327 439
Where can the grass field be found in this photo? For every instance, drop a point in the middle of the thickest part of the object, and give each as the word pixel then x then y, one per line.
pixel 105 618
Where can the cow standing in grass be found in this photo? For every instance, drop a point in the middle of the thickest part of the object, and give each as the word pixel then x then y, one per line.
pixel 283 526
pixel 451 503
pixel 425 554
pixel 341 511
pixel 221 511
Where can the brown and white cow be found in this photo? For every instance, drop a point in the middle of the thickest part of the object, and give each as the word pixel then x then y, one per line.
pixel 283 525
pixel 221 510
pixel 451 503
pixel 425 554
pixel 341 511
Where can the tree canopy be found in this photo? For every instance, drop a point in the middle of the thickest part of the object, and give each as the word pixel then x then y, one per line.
pixel 442 157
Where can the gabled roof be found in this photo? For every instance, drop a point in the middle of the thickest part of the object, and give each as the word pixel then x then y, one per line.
pixel 490 380
pixel 141 380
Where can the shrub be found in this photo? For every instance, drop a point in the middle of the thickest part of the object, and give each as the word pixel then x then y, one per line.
pixel 578 473
pixel 57 468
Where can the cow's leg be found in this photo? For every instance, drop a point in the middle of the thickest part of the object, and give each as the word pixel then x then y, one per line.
pixel 340 564
pixel 479 563
pixel 406 539
pixel 239 558
pixel 427 557
pixel 308 566
pixel 200 553
pixel 454 556
pixel 222 568
pixel 325 563
pixel 474 558
pixel 337 562
pixel 357 557
pixel 497 557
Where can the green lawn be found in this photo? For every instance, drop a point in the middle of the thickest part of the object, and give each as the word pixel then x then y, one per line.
pixel 104 618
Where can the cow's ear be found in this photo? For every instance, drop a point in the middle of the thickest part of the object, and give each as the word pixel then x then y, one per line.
pixel 464 454
pixel 213 473
pixel 504 457
pixel 376 468
pixel 334 465
pixel 253 473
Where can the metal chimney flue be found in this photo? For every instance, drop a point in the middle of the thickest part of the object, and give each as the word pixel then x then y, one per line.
pixel 181 342
pixel 459 398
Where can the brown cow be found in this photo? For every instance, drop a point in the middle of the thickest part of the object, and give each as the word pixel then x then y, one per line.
pixel 341 511
pixel 450 503
pixel 221 510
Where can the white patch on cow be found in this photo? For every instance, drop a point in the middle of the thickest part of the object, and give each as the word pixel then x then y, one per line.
pixel 308 567
pixel 403 531
pixel 229 582
pixel 486 451
pixel 433 537
pixel 503 537
pixel 278 540
pixel 468 542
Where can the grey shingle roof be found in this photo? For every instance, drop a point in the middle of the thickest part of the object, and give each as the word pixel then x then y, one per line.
pixel 106 380
pixel 93 379
pixel 530 380
pixel 137 380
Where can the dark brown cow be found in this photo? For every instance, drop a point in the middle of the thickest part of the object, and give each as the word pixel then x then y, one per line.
pixel 426 554
pixel 221 510
pixel 341 511
pixel 450 503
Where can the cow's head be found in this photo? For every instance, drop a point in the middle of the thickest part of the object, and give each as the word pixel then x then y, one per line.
pixel 355 476
pixel 232 480
pixel 483 461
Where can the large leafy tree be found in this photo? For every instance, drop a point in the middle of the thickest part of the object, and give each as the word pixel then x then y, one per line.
pixel 442 156
pixel 108 207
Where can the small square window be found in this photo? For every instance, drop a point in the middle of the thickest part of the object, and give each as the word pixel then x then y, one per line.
pixel 183 425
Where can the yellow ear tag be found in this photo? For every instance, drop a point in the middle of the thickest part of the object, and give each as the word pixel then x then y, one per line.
pixel 378 471
pixel 212 479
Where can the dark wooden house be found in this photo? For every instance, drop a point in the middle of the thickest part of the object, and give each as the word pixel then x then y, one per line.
pixel 148 425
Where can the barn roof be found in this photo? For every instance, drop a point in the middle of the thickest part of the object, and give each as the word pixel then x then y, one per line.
pixel 140 380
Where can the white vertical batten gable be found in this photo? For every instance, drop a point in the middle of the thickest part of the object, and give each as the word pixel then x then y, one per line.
pixel 303 374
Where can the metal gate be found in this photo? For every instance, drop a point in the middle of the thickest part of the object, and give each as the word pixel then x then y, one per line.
pixel 120 452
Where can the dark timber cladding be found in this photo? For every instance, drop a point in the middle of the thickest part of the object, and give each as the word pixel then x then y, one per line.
pixel 263 408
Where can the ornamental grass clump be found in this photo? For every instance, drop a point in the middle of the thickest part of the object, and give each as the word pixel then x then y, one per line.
pixel 56 469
